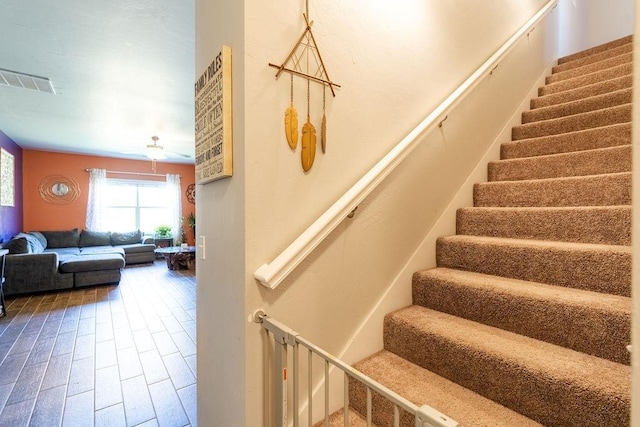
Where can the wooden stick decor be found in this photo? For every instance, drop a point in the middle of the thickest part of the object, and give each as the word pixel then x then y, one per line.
pixel 305 61
pixel 323 125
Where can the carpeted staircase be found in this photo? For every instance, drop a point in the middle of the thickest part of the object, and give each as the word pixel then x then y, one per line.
pixel 526 319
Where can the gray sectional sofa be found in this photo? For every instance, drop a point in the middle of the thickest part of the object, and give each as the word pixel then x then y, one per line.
pixel 52 260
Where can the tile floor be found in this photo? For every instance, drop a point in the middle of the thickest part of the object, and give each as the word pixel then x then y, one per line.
pixel 103 356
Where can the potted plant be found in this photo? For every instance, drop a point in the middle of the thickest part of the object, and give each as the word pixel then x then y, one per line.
pixel 192 223
pixel 163 231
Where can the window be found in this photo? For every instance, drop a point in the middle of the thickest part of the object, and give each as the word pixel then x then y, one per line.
pixel 136 205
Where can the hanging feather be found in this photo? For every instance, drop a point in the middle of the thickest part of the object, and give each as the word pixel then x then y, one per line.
pixel 308 154
pixel 323 134
pixel 291 126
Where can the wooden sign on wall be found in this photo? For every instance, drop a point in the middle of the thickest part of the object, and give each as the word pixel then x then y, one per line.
pixel 213 120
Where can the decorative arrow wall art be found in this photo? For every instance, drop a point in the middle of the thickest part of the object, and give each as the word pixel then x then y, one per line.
pixel 305 61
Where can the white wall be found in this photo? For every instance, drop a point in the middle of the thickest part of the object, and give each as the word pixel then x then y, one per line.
pixel 395 64
pixel 220 211
pixel 588 23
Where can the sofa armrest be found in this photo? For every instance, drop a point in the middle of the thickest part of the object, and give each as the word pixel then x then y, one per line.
pixel 146 240
pixel 30 272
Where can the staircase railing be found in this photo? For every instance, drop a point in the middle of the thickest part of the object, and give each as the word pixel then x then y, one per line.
pixel 273 273
pixel 284 337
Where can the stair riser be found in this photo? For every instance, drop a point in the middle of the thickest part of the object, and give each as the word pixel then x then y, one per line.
pixel 576 107
pixel 606 226
pixel 596 49
pixel 590 120
pixel 589 79
pixel 550 402
pixel 602 137
pixel 581 328
pixel 598 270
pixel 592 162
pixel 607 86
pixel 590 68
pixel 597 57
pixel 600 190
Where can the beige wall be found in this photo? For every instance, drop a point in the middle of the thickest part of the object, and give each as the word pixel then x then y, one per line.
pixel 395 62
pixel 588 23
pixel 221 216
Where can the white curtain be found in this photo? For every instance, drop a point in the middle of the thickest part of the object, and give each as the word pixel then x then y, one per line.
pixel 95 202
pixel 175 206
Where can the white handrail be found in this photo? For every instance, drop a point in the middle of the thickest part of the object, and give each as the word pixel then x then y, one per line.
pixel 271 275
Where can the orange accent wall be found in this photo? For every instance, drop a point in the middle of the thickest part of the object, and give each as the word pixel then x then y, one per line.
pixel 37 165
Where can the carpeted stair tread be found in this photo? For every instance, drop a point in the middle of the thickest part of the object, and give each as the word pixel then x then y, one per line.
pixel 580 163
pixel 596 49
pixel 576 122
pixel 590 322
pixel 593 190
pixel 604 64
pixel 588 266
pixel 596 57
pixel 600 137
pixel 599 88
pixel 607 225
pixel 548 383
pixel 421 387
pixel 337 420
pixel 592 103
pixel 585 80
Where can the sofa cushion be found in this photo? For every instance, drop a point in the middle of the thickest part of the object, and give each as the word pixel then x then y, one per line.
pixel 138 248
pixel 95 262
pixel 101 250
pixel 127 238
pixel 17 245
pixel 95 238
pixel 64 251
pixel 62 239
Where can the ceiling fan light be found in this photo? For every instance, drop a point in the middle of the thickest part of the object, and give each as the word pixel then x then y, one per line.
pixel 155 152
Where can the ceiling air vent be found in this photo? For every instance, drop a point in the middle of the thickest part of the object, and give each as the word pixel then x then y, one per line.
pixel 26 81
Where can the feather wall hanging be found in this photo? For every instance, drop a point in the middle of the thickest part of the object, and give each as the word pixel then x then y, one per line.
pixel 305 61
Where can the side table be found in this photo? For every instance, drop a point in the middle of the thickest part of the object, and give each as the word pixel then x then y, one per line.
pixel 178 257
pixel 162 242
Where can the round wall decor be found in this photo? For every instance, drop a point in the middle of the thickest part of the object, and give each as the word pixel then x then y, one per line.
pixel 58 189
pixel 191 193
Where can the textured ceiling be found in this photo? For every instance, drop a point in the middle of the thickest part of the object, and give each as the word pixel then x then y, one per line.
pixel 122 70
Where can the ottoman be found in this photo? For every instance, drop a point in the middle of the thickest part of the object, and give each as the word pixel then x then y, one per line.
pixel 93 269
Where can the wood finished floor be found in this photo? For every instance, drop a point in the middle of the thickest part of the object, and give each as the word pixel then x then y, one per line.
pixel 103 356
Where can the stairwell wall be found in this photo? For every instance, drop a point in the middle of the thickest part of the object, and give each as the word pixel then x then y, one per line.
pixel 588 23
pixel 395 64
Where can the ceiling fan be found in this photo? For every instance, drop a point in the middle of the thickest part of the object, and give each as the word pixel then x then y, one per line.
pixel 155 151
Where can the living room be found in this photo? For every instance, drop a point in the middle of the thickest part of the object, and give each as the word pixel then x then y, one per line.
pixel 106 354
pixel 119 353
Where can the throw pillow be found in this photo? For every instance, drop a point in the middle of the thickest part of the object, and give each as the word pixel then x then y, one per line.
pixel 16 246
pixel 128 238
pixel 95 238
pixel 62 239
pixel 34 245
